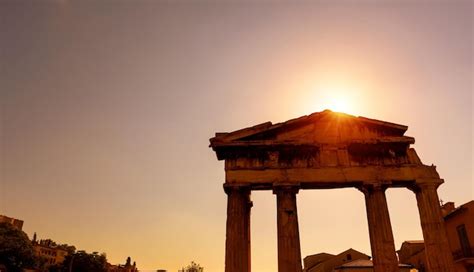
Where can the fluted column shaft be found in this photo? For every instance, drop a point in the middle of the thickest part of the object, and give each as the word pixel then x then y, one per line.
pixel 237 252
pixel 289 251
pixel 380 229
pixel 438 254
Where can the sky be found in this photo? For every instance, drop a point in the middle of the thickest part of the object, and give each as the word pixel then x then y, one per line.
pixel 107 108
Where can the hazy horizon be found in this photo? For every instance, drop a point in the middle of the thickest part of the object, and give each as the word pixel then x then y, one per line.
pixel 107 108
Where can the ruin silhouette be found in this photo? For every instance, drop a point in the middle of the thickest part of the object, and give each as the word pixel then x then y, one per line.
pixel 327 150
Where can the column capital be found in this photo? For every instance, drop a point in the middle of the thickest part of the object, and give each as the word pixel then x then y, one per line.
pixel 286 187
pixel 370 187
pixel 240 187
pixel 425 184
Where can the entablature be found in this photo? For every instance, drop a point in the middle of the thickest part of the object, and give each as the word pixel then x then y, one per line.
pixel 335 177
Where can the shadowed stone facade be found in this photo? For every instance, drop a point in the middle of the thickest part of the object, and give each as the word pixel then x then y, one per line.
pixel 326 150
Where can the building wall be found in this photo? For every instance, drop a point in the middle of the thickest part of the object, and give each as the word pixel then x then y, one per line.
pixel 15 222
pixel 53 256
pixel 460 226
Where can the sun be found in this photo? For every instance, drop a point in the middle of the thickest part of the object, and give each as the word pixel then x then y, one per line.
pixel 338 100
pixel 337 95
pixel 339 104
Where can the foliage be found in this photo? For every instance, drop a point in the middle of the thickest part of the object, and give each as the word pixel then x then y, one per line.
pixel 17 253
pixel 82 261
pixel 56 268
pixel 42 264
pixel 70 249
pixel 193 267
pixel 16 250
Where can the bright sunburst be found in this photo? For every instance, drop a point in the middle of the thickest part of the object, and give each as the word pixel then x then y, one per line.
pixel 336 94
pixel 339 104
pixel 338 100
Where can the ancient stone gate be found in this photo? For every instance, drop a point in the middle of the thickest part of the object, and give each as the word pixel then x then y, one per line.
pixel 319 151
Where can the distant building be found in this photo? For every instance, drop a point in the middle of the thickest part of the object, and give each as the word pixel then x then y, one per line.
pixel 349 260
pixel 460 229
pixel 363 265
pixel 14 222
pixel 325 262
pixel 49 251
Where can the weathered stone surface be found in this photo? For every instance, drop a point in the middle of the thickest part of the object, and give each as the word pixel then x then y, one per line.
pixel 380 229
pixel 438 253
pixel 289 251
pixel 332 177
pixel 237 253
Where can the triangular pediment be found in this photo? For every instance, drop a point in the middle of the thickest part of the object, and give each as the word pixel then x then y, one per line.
pixel 324 127
pixel 321 150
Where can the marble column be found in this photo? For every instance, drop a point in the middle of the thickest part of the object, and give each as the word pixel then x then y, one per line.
pixel 380 229
pixel 438 254
pixel 237 252
pixel 289 251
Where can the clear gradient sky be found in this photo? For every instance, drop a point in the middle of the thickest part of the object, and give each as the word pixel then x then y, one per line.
pixel 107 108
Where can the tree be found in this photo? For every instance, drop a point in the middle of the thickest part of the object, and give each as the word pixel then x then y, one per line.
pixel 42 264
pixel 70 249
pixel 82 261
pixel 193 267
pixel 16 251
pixel 56 268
